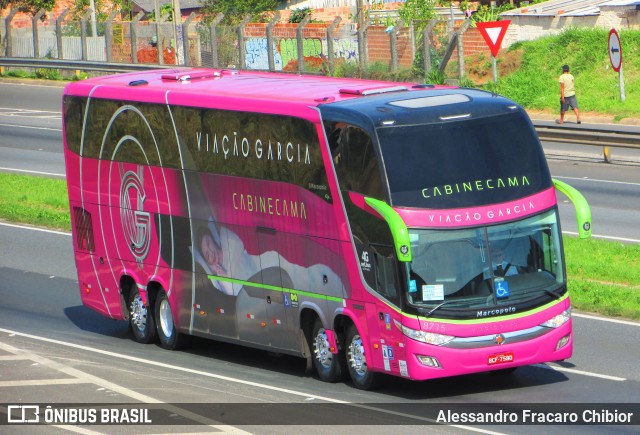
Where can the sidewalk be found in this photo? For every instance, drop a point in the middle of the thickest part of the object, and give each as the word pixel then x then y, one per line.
pixel 585 117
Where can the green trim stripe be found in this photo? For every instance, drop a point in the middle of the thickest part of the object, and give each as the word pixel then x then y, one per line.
pixel 583 211
pixel 483 319
pixel 275 288
pixel 396 225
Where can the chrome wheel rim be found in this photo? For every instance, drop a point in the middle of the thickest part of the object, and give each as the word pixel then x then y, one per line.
pixel 166 318
pixel 357 359
pixel 138 314
pixel 322 350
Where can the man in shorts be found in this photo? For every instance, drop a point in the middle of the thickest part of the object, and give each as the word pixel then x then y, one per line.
pixel 567 95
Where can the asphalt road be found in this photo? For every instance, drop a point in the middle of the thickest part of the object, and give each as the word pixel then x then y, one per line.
pixel 52 349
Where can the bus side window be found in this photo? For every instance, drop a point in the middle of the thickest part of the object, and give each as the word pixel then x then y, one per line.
pixel 354 160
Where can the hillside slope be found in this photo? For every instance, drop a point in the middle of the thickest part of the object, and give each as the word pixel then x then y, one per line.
pixel 529 71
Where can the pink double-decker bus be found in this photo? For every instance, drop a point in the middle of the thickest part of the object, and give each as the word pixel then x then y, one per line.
pixel 369 227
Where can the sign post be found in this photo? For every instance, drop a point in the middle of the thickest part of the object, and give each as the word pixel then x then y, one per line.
pixel 493 33
pixel 615 56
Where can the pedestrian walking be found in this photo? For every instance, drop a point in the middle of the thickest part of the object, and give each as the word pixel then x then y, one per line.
pixel 567 95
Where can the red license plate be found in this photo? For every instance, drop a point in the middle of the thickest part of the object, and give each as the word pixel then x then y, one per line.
pixel 500 358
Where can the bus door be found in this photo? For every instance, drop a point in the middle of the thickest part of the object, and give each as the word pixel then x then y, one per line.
pixel 388 285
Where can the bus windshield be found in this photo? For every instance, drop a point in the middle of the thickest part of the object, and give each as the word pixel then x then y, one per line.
pixel 463 163
pixel 510 263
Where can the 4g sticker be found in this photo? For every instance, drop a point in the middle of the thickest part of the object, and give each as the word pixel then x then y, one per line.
pixel 365 264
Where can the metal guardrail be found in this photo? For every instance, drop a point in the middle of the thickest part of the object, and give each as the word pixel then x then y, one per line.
pixel 19 62
pixel 606 137
pixel 611 136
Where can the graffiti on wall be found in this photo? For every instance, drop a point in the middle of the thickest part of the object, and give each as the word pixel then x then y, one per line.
pixel 256 55
pixel 286 51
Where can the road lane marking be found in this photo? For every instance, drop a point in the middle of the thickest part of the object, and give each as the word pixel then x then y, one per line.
pixel 26 171
pixel 30 127
pixel 580 372
pixel 628 183
pixel 42 230
pixel 605 319
pixel 84 377
pixel 274 388
pixel 146 399
pixel 596 236
pixel 41 382
pixel 10 111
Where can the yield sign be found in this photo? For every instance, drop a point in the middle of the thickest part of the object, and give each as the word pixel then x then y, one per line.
pixel 493 33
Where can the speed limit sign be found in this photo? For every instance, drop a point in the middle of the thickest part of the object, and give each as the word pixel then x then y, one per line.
pixel 615 50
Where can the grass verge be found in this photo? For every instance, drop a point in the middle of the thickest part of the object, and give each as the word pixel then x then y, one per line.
pixel 35 201
pixel 603 276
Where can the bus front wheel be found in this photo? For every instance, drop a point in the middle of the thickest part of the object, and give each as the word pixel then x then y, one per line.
pixel 140 318
pixel 327 364
pixel 362 377
pixel 168 335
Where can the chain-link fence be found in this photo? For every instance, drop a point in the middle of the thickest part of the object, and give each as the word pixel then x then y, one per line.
pixel 332 48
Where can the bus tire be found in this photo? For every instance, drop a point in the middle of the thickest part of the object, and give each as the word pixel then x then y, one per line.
pixel 361 376
pixel 168 335
pixel 140 318
pixel 327 364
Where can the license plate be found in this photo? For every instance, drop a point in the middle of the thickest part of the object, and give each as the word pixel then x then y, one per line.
pixel 499 358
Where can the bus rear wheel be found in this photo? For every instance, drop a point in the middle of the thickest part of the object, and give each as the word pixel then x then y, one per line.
pixel 362 377
pixel 328 365
pixel 140 318
pixel 168 335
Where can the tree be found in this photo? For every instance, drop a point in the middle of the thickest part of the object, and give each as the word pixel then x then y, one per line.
pixel 235 10
pixel 29 6
pixel 103 8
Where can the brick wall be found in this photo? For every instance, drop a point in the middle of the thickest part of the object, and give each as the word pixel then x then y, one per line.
pixel 23 20
pixel 379 46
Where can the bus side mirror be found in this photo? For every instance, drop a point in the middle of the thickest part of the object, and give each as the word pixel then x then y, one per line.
pixel 583 211
pixel 396 224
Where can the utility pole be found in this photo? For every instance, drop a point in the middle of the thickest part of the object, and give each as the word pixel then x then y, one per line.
pixel 177 16
pixel 94 26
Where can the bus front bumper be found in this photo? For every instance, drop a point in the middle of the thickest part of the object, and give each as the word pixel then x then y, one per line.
pixel 428 362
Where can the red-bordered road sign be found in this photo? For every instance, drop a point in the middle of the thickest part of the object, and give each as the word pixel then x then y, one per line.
pixel 493 33
pixel 615 50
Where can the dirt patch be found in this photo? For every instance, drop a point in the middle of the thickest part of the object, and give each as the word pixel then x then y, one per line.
pixel 478 65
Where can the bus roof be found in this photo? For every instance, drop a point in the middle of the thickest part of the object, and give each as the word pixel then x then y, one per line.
pixel 308 90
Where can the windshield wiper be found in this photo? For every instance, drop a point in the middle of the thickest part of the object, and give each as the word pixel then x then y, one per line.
pixel 423 311
pixel 552 293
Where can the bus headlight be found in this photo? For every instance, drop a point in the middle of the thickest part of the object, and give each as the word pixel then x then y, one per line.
pixel 423 336
pixel 558 320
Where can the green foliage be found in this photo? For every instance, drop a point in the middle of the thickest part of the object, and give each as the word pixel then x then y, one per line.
pixel 21 74
pixel 166 13
pixel 103 8
pixel 603 276
pixel 487 13
pixel 34 200
pixel 297 15
pixel 436 77
pixel 48 74
pixel 29 6
pixel 375 71
pixel 419 11
pixel 235 10
pixel 466 82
